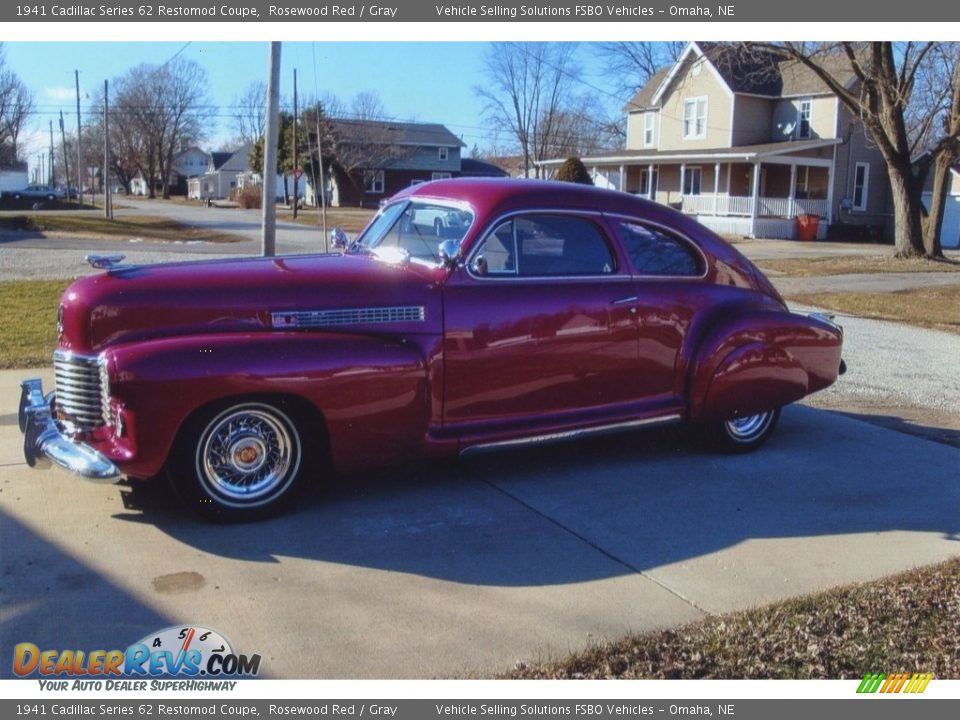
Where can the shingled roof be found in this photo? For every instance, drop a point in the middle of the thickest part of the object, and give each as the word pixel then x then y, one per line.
pixel 390 132
pixel 755 71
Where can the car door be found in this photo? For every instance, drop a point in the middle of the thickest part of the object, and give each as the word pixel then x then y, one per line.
pixel 540 327
pixel 668 286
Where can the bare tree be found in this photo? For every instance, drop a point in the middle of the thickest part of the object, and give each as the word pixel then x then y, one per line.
pixel 16 106
pixel 183 88
pixel 886 80
pixel 250 112
pixel 933 125
pixel 529 88
pixel 367 105
pixel 157 111
pixel 633 63
pixel 133 127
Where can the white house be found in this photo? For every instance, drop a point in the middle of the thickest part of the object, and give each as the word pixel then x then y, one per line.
pixel 747 149
pixel 221 177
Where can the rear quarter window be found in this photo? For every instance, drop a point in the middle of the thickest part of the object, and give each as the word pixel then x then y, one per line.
pixel 655 251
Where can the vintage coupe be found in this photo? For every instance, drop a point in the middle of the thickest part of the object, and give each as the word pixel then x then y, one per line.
pixel 545 311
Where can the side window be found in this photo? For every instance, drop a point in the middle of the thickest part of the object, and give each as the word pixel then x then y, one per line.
pixel 655 252
pixel 497 253
pixel 543 246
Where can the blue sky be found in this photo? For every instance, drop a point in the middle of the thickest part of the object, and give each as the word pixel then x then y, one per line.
pixel 429 82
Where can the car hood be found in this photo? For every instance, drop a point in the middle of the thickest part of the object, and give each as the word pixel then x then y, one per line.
pixel 346 293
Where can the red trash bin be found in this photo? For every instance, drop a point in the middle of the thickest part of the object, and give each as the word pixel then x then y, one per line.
pixel 807 227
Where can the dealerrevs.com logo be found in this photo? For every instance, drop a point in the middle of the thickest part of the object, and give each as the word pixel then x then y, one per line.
pixel 178 651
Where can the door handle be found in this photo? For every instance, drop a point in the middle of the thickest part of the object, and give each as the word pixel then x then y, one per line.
pixel 624 301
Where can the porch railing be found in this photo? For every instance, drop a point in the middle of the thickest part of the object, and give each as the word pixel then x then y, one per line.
pixel 733 205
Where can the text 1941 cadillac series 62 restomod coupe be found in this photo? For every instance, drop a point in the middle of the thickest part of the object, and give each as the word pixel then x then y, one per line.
pixel 543 311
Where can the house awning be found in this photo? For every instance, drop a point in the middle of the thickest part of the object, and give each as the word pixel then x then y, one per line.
pixel 742 153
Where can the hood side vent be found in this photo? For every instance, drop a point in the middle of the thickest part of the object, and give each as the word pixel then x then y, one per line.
pixel 348 316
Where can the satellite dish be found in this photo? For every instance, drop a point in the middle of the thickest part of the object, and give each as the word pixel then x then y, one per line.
pixel 788 128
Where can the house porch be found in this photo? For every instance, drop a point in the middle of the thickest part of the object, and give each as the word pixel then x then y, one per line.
pixel 758 198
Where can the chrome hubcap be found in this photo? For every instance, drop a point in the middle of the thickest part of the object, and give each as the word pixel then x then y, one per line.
pixel 747 428
pixel 248 453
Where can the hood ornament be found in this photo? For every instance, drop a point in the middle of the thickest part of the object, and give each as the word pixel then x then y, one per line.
pixel 104 262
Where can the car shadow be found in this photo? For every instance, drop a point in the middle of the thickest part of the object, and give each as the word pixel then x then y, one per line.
pixel 594 509
pixel 945 435
pixel 64 602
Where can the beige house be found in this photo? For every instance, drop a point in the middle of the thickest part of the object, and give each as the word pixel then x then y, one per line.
pixel 746 146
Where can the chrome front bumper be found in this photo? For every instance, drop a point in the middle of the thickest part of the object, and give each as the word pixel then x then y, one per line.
pixel 43 441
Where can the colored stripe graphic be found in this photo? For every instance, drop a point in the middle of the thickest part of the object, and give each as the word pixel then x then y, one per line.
pixel 896 683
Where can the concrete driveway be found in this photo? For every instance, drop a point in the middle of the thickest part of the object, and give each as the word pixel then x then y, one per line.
pixel 464 568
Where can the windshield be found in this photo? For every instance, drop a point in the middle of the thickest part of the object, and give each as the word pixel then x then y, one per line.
pixel 416 229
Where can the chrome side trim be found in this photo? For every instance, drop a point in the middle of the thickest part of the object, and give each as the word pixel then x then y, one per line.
pixel 42 439
pixel 566 435
pixel 347 316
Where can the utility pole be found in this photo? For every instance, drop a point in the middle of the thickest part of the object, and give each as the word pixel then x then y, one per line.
pixel 295 166
pixel 52 183
pixel 107 195
pixel 271 127
pixel 323 185
pixel 66 164
pixel 76 75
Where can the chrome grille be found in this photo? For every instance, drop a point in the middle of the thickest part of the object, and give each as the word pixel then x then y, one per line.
pixel 348 316
pixel 83 398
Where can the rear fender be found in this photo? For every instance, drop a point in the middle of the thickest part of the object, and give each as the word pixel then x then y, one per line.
pixel 372 392
pixel 759 360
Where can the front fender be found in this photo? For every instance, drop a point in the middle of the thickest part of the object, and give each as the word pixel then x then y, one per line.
pixel 759 360
pixel 377 384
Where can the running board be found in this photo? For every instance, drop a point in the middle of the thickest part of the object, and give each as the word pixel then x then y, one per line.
pixel 565 435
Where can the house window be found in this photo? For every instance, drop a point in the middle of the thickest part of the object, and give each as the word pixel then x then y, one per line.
pixel 373 181
pixel 442 153
pixel 648 120
pixel 861 183
pixel 440 176
pixel 691 181
pixel 803 118
pixel 695 118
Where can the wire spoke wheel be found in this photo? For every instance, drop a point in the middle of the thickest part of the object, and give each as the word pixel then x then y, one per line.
pixel 248 456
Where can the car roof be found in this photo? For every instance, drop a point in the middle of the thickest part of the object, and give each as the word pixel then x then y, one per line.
pixel 497 196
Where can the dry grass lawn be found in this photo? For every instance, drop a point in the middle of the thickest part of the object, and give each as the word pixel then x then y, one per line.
pixel 809 267
pixel 934 307
pixel 905 623
pixel 92 225
pixel 28 338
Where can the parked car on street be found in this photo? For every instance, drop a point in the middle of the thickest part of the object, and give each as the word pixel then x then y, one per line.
pixel 555 311
pixel 38 191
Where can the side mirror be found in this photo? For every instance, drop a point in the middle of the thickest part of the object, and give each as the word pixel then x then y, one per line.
pixel 339 239
pixel 450 253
